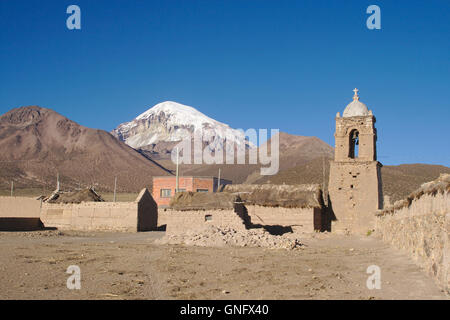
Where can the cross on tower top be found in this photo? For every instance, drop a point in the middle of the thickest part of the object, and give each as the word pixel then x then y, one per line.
pixel 355 97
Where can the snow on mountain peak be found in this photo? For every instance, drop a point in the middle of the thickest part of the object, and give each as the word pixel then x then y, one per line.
pixel 170 121
pixel 178 113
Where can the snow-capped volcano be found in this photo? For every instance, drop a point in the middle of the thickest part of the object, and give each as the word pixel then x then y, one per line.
pixel 171 122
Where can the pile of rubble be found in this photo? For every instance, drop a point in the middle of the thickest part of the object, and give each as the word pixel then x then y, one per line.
pixel 213 236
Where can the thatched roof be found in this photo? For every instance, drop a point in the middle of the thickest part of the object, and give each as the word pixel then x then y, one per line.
pixel 86 195
pixel 204 201
pixel 440 185
pixel 288 196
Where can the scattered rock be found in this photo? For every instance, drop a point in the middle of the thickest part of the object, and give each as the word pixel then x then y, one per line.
pixel 212 236
pixel 33 234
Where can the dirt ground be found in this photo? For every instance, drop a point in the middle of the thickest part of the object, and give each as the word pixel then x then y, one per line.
pixel 131 266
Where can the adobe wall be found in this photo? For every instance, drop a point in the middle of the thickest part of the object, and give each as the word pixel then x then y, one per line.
pixel 367 135
pixel 147 214
pixel 91 216
pixel 181 221
pixel 19 214
pixel 19 207
pixel 140 215
pixel 423 230
pixel 355 194
pixel 299 219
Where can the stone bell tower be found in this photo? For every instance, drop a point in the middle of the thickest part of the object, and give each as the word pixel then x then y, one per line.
pixel 355 191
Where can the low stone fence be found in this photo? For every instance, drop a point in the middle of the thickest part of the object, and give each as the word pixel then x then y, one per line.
pixel 283 208
pixel 421 227
pixel 90 216
pixel 24 214
pixel 140 215
pixel 19 213
pixel 297 219
pixel 180 221
pixel 274 219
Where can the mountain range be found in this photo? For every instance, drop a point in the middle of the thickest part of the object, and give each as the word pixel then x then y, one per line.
pixel 37 144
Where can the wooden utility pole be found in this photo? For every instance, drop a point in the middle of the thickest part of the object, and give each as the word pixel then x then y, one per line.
pixel 176 183
pixel 115 187
pixel 323 174
pixel 218 181
pixel 325 198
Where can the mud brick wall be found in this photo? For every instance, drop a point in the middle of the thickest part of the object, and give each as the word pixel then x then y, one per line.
pixel 19 214
pixel 91 216
pixel 19 207
pixel 355 191
pixel 299 219
pixel 147 214
pixel 182 221
pixel 422 229
pixel 140 215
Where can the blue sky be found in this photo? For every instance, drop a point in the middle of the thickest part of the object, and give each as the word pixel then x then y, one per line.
pixel 251 64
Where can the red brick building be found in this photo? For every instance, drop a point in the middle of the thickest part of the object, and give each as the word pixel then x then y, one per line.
pixel 164 186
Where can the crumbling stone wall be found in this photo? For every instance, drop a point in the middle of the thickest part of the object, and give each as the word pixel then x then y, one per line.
pixel 422 229
pixel 298 219
pixel 355 194
pixel 91 216
pixel 177 221
pixel 283 208
pixel 140 215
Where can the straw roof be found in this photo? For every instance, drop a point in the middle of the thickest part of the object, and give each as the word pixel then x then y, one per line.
pixel 204 201
pixel 440 185
pixel 86 195
pixel 288 196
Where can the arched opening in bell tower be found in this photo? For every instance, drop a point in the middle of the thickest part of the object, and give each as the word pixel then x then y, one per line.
pixel 354 144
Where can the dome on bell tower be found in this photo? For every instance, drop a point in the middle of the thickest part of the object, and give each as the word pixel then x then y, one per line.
pixel 356 108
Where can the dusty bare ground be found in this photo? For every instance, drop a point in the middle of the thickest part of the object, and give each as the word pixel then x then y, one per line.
pixel 130 266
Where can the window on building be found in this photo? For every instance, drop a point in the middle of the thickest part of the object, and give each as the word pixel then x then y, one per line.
pixel 181 190
pixel 202 190
pixel 208 217
pixel 166 193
